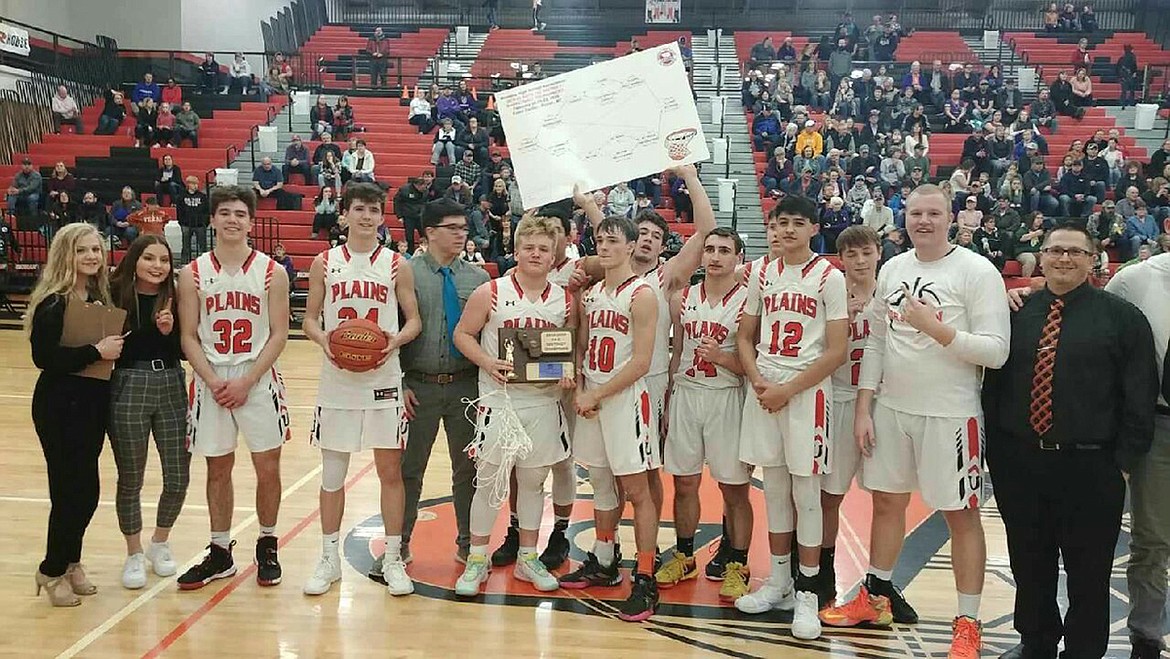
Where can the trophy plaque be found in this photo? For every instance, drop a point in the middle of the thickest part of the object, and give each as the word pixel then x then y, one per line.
pixel 538 354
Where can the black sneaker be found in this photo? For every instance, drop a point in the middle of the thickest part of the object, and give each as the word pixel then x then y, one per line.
pixel 507 553
pixel 557 551
pixel 717 566
pixel 218 564
pixel 904 614
pixel 1145 649
pixel 267 567
pixel 643 600
pixel 591 573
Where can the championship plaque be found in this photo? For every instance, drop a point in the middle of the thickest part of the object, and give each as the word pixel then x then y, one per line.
pixel 538 354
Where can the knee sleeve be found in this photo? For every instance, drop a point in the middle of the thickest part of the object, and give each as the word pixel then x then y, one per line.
pixel 530 496
pixel 605 496
pixel 806 495
pixel 778 499
pixel 483 513
pixel 564 483
pixel 334 466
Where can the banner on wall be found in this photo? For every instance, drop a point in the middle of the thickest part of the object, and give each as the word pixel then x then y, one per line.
pixel 13 39
pixel 663 11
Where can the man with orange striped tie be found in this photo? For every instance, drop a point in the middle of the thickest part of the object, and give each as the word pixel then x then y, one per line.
pixel 1069 417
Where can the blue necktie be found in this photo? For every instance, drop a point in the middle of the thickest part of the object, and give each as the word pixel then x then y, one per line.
pixel 451 307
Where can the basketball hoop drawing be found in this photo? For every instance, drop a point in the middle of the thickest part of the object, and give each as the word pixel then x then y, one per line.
pixel 678 143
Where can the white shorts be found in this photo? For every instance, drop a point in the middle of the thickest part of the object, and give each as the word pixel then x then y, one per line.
pixel 352 431
pixel 796 437
pixel 545 425
pixel 263 419
pixel 656 385
pixel 940 456
pixel 703 427
pixel 623 437
pixel 845 455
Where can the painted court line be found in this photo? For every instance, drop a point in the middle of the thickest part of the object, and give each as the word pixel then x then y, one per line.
pixel 168 583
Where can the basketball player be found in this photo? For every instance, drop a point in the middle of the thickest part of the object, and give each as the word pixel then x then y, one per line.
pixel 234 318
pixel 859 248
pixel 707 400
pixel 616 435
pixel 944 317
pixel 524 298
pixel 359 411
pixel 797 308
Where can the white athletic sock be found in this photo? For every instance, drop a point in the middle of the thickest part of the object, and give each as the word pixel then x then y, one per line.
pixel 393 547
pixel 809 571
pixel 884 575
pixel 330 543
pixel 781 574
pixel 479 550
pixel 969 605
pixel 527 551
pixel 222 538
pixel 604 552
pixel 267 530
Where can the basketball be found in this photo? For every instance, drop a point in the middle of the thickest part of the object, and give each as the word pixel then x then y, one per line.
pixel 357 344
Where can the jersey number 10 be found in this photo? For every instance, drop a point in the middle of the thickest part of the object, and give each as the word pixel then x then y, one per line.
pixel 601 354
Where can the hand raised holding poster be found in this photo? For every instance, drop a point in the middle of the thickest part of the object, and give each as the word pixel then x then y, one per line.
pixel 613 121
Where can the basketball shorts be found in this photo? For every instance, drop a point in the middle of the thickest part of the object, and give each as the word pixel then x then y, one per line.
pixel 703 428
pixel 656 385
pixel 844 454
pixel 352 431
pixel 623 436
pixel 796 437
pixel 940 456
pixel 545 425
pixel 263 419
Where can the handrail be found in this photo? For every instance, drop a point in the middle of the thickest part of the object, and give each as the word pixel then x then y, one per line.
pixel 253 139
pixel 51 33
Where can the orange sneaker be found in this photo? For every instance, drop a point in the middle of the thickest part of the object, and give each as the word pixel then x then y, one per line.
pixel 865 609
pixel 966 638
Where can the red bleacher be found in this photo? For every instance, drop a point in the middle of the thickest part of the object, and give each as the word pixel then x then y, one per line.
pixel 1045 52
pixel 415 49
pixel 925 46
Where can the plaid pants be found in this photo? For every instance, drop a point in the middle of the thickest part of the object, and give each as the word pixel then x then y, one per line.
pixel 142 402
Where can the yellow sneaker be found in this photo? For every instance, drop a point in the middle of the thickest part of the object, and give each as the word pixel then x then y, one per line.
pixel 676 570
pixel 735 582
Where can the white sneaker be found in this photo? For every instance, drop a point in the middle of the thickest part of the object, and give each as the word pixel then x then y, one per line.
pixel 397 580
pixel 159 555
pixel 806 623
pixel 477 571
pixel 765 599
pixel 530 569
pixel 327 572
pixel 134 572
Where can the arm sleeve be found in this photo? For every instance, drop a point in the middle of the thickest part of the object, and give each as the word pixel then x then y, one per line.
pixel 986 342
pixel 875 344
pixel 47 352
pixel 1139 391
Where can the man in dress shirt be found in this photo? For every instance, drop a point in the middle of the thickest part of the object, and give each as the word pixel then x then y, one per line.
pixel 1069 416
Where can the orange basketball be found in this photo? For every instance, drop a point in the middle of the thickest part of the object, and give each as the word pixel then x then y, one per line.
pixel 357 344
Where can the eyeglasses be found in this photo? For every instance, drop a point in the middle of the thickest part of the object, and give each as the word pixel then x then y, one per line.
pixel 453 228
pixel 1059 252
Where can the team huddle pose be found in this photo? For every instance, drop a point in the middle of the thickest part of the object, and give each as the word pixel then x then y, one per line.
pixel 814 375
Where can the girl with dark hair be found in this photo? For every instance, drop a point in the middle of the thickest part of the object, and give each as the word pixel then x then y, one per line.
pixel 148 396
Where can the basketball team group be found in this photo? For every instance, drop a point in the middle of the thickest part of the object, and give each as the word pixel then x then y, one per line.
pixel 815 375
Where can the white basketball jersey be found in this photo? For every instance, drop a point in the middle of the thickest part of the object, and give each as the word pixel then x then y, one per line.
pixel 560 274
pixel 233 307
pixel 846 376
pixel 510 308
pixel 361 286
pixel 702 317
pixel 660 359
pixel 610 319
pixel 794 302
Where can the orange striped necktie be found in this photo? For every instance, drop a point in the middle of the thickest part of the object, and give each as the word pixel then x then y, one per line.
pixel 1041 408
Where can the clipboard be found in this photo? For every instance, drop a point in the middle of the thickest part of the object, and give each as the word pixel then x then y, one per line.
pixel 86 324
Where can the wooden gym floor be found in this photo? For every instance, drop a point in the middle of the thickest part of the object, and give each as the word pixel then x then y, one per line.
pixel 236 618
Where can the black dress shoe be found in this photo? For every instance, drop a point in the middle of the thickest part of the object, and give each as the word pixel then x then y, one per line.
pixel 1143 649
pixel 1022 651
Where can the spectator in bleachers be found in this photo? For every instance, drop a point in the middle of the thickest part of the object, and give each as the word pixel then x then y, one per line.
pixel 1039 187
pixel 359 164
pixel 1096 170
pixel 994 78
pixel 321 118
pixel 241 75
pixel 1051 18
pixel 477 223
pixel 778 172
pixel 147 121
pixel 468 170
pixel 25 190
pixel 1157 199
pixel 786 52
pixel 874 131
pixel 1081 57
pixel 970 217
pixel 877 214
pixel 991 243
pixel 296 160
pixel 475 139
pixel 120 212
pixel 468 106
pixel 378 48
pixel 955 114
pixel 164 126
pixel 893 168
pixel 1068 18
pixel 209 74
pixel 268 182
pixel 765 130
pixel 172 93
pixel 193 213
pixel 805 77
pixel 857 197
pixel 966 81
pixel 447 107
pixel 810 137
pixel 1076 195
pixel 762 53
pixel 1158 160
pixel 621 199
pixel 458 191
pixel 471 253
pixel 846 102
pixel 840 64
pixel 92 211
pixel 1127 75
pixel 938 86
pixel 420 113
pixel 1009 101
pixel 903 107
pixel 272 83
pixel 329 172
pixel 499 202
pixel 187 126
pixel 286 71
pixel 848 32
pixel 327 145
pixel 1000 151
pixel 1082 89
pixel 807 185
pixel 1088 19
pixel 343 118
pixel 864 164
pixel 62 211
pixel 808 159
pixel 60 181
pixel 326 212
pixel 444 142
pixel 1131 177
pixel 822 90
pixel 113 113
pixel 1043 110
pixel 1062 96
pixel 1006 217
pixel 65 110
pixel 982 106
pixel 169 179
pixel 408 206
pixel 148 88
pixel 516 204
pixel 1027 237
pixel 1107 225
pixel 1127 205
pixel 1140 229
pixel 876 28
pixel 834 218
pixel 885 46
pixel 500 248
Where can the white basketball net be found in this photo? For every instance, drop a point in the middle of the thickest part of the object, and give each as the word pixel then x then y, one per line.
pixel 512 444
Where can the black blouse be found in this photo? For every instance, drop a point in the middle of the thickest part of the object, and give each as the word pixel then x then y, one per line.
pixel 48 354
pixel 145 342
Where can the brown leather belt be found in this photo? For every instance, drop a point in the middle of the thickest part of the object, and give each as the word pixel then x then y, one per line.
pixel 442 378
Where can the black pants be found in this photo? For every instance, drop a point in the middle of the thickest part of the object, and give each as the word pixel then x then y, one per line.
pixel 377 71
pixel 412 224
pixel 70 414
pixel 1059 505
